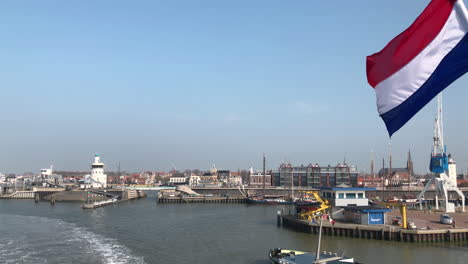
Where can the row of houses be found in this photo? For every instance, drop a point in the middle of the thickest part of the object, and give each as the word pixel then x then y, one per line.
pixel 212 178
pixel 286 176
pixel 314 175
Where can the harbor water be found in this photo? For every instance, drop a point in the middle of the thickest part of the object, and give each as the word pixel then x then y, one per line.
pixel 143 231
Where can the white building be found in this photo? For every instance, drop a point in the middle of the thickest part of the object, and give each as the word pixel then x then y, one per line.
pixel 194 180
pixel 178 180
pixel 48 177
pixel 235 180
pixel 346 196
pixel 97 178
pixel 46 173
pixel 452 172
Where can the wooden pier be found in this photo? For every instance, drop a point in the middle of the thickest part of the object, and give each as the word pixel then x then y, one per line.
pixel 378 232
pixel 19 195
pixel 231 199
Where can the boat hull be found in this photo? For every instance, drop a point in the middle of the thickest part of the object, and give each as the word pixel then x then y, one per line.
pixel 306 206
pixel 267 201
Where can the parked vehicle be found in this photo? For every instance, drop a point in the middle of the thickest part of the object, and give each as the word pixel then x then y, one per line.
pixel 396 221
pixel 412 226
pixel 446 219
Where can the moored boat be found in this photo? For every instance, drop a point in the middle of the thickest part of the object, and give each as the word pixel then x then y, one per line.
pixel 287 256
pixel 271 201
pixel 281 256
pixel 304 206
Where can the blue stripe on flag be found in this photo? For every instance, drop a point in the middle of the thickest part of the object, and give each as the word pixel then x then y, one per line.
pixel 454 65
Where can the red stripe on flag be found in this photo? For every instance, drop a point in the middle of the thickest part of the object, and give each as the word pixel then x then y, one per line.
pixel 402 49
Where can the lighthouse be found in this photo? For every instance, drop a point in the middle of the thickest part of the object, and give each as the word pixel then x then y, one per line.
pixel 452 171
pixel 98 178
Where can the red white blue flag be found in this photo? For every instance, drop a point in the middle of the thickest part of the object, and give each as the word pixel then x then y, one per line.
pixel 420 62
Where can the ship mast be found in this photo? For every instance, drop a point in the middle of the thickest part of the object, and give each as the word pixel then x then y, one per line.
pixel 264 173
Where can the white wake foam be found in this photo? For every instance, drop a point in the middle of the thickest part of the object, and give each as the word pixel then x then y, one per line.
pixel 41 239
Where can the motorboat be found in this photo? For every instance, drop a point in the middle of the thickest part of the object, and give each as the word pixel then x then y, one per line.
pixel 275 201
pixel 288 256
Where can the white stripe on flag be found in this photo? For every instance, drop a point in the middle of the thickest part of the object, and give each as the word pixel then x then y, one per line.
pixel 394 90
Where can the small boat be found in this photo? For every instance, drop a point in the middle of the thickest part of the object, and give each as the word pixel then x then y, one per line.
pixel 281 256
pixel 304 206
pixel 276 201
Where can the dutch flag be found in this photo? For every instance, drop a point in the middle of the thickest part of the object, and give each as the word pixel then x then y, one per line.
pixel 420 62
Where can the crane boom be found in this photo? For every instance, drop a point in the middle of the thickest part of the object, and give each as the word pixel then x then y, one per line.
pixel 313 214
pixel 439 159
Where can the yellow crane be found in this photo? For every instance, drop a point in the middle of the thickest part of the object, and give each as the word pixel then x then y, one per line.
pixel 402 207
pixel 313 214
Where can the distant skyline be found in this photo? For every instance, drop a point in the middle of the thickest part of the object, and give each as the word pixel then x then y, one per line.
pixel 150 84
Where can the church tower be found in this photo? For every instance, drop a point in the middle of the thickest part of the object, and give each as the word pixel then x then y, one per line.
pixel 409 166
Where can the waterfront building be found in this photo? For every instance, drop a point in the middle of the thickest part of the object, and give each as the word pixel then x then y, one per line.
pixel 234 181
pixel 194 180
pixel 315 175
pixel 209 177
pixel 256 179
pixel 343 195
pixel 350 204
pixel 227 178
pixel 366 215
pixel 223 175
pixel 97 179
pixel 45 173
pixel 49 178
pixel 177 179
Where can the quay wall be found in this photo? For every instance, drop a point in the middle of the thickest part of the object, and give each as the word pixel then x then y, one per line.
pixel 430 194
pixel 377 232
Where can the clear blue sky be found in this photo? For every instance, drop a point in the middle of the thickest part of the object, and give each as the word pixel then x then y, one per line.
pixel 191 83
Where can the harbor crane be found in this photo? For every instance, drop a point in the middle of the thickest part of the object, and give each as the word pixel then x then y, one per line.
pixel 442 166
